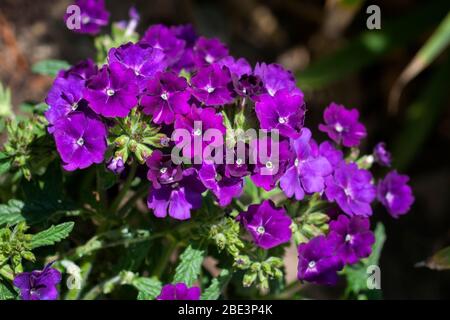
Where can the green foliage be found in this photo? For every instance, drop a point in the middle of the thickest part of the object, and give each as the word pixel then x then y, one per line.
pixel 5 101
pixel 6 293
pixel 148 288
pixel 15 245
pixel 118 37
pixel 11 213
pixel 52 235
pixel 190 265
pixel 217 285
pixel 50 67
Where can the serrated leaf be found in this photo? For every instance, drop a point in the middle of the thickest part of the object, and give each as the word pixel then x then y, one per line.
pixel 189 267
pixel 52 235
pixel 11 213
pixel 6 293
pixel 149 288
pixel 50 67
pixel 217 284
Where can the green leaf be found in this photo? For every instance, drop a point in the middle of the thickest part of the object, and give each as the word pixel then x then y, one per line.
pixel 11 213
pixel 217 284
pixel 52 235
pixel 149 288
pixel 440 260
pixel 5 101
pixel 189 268
pixel 6 293
pixel 50 67
pixel 357 274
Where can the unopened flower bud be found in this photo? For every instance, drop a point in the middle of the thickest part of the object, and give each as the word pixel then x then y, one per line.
pixel 249 278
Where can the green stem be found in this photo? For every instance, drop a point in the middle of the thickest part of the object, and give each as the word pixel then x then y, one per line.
pixel 101 191
pixel 140 192
pixel 165 257
pixel 125 188
pixel 98 289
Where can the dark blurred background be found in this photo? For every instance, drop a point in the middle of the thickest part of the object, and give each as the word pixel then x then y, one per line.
pixel 336 58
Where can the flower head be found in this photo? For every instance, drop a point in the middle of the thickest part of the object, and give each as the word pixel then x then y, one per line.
pixel 93 16
pixel 317 262
pixel 115 165
pixel 179 291
pixel 237 67
pixel 112 92
pixel 80 140
pixel 161 170
pixel 395 193
pixel 307 172
pixel 276 78
pixel 212 85
pixel 352 189
pixel 382 155
pixel 342 125
pixel 283 111
pixel 268 225
pixel 352 237
pixel 209 51
pixel 248 86
pixel 83 70
pixel 333 155
pixel 165 96
pixel 38 284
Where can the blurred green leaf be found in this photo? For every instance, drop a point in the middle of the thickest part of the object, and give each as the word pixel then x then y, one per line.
pixel 189 267
pixel 217 284
pixel 6 293
pixel 440 260
pixel 50 67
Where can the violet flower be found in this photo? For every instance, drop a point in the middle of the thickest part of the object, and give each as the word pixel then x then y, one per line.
pixel 237 67
pixel 248 86
pixel 352 237
pixel 93 16
pixel 268 226
pixel 395 194
pixel 212 85
pixel 276 78
pixel 38 284
pixel 161 169
pixel 342 125
pixel 352 189
pixel 179 291
pixel 209 51
pixel 115 165
pixel 83 70
pixel 382 155
pixel 333 155
pixel 317 262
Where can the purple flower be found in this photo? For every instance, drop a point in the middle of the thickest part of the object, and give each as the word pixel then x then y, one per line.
pixel 166 96
pixel 115 165
pixel 83 70
pixel 212 85
pixel 161 169
pixel 382 155
pixel 161 37
pixel 80 140
pixel 333 155
pixel 209 51
pixel 185 32
pixel 238 162
pixel 178 198
pixel 64 98
pixel 144 60
pixel 237 67
pixel 283 111
pixel 352 237
pixel 271 159
pixel 395 194
pixel 38 284
pixel 93 16
pixel 307 172
pixel 342 125
pixel 112 92
pixel 179 291
pixel 130 26
pixel 224 188
pixel 352 189
pixel 317 262
pixel 276 78
pixel 248 86
pixel 268 225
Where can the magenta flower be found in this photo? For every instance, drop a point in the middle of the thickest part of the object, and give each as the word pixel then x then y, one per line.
pixel 179 291
pixel 212 85
pixel 161 169
pixel 352 237
pixel 209 51
pixel 342 125
pixel 382 155
pixel 115 165
pixel 307 172
pixel 237 67
pixel 317 262
pixel 112 92
pixel 165 96
pixel 248 86
pixel 333 155
pixel 352 189
pixel 80 140
pixel 395 194
pixel 93 17
pixel 38 284
pixel 268 226
pixel 283 111
pixel 276 78
pixel 83 70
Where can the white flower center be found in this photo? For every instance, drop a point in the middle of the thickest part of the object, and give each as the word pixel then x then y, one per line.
pixel 239 161
pixel 163 170
pixel 348 238
pixel 74 106
pixel 282 120
pixel 296 162
pixel 311 264
pixel 80 142
pixel 260 230
pixel 338 127
pixel 110 92
pixel 209 58
pixel 218 177
pixel 85 20
pixel 164 96
pixel 197 132
pixel 348 192
pixel 389 197
pixel 269 165
pixel 210 89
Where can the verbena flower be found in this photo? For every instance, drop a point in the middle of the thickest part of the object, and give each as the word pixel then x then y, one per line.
pixel 283 111
pixel 342 125
pixel 80 140
pixel 352 237
pixel 237 67
pixel 333 155
pixel 276 78
pixel 179 291
pixel 115 165
pixel 268 226
pixel 382 155
pixel 189 36
pixel 395 193
pixel 352 189
pixel 112 92
pixel 83 70
pixel 307 171
pixel 209 51
pixel 93 16
pixel 317 262
pixel 212 85
pixel 161 169
pixel 38 284
pixel 165 96
pixel 248 86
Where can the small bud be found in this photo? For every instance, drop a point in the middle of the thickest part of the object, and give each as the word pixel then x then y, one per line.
pixel 249 278
pixel 221 240
pixel 256 266
pixel 115 165
pixel 242 262
pixel 317 218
